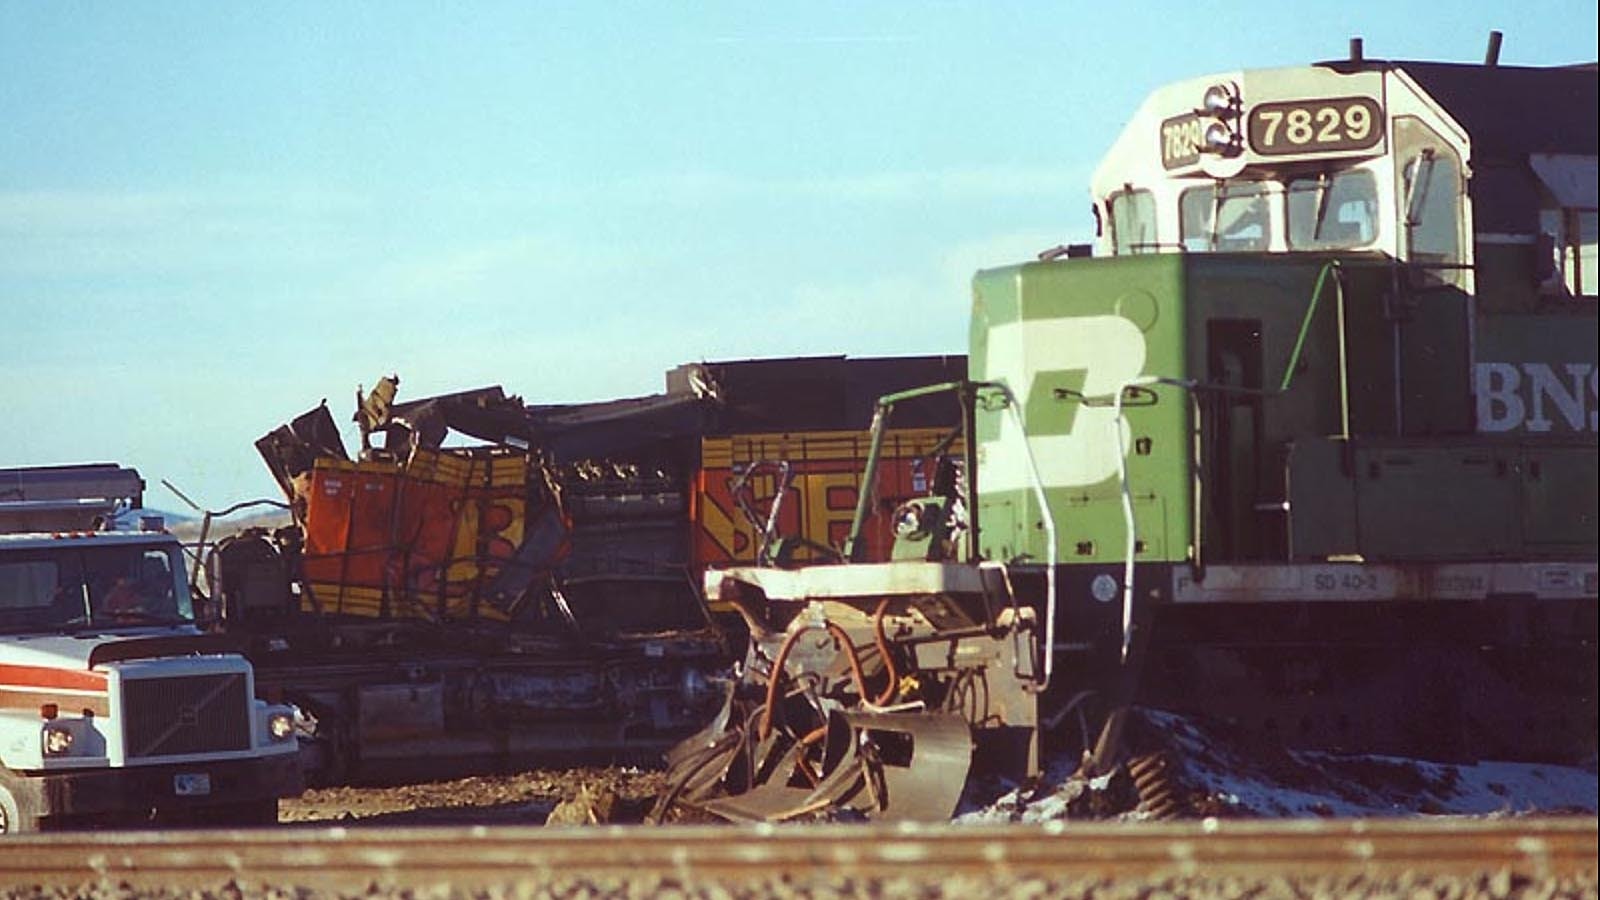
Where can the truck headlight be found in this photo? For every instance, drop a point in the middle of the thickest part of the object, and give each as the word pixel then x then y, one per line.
pixel 57 741
pixel 280 726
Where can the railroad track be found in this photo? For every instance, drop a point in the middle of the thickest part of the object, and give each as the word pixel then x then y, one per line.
pixel 475 857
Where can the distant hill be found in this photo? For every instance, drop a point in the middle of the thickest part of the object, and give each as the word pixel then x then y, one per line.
pixel 188 528
pixel 130 519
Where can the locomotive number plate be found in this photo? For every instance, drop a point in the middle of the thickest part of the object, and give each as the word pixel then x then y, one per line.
pixel 1181 137
pixel 1315 126
pixel 191 784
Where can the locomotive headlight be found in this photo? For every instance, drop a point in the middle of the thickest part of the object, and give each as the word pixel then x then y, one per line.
pixel 1221 139
pixel 57 740
pixel 280 726
pixel 1221 100
pixel 1220 113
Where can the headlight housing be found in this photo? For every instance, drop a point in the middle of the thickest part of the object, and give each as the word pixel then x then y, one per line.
pixel 57 740
pixel 280 726
pixel 911 521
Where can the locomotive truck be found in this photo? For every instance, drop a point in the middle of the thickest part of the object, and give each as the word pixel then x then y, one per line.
pixel 1305 444
pixel 114 708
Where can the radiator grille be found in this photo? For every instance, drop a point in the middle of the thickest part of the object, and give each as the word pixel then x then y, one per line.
pixel 192 714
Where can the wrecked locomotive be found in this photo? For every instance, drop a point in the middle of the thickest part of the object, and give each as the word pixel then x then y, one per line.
pixel 1307 445
pixel 489 582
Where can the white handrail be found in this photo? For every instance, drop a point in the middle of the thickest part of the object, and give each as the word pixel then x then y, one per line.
pixel 1049 530
pixel 1117 421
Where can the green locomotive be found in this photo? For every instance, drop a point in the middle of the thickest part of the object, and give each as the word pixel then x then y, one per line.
pixel 1308 445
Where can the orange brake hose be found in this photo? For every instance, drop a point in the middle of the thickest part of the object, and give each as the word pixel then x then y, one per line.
pixel 772 681
pixel 783 657
pixel 883 652
pixel 855 658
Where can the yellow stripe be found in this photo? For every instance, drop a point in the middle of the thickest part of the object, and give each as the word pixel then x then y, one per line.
pixel 807 446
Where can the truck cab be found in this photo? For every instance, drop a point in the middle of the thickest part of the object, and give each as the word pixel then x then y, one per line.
pixel 114 707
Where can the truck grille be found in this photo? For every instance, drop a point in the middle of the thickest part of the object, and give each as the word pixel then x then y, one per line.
pixel 192 714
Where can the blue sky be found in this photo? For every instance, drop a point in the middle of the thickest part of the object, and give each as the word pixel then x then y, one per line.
pixel 213 215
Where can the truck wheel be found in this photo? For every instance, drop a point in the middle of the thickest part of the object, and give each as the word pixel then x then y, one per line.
pixel 11 821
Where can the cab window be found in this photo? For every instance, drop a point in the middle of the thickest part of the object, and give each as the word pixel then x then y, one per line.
pixel 1572 236
pixel 41 589
pixel 1429 196
pixel 1333 212
pixel 133 584
pixel 1133 222
pixel 67 587
pixel 1231 217
pixel 27 584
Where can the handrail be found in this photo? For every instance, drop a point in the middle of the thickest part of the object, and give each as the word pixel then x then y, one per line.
pixel 855 545
pixel 1037 482
pixel 1132 541
pixel 1331 265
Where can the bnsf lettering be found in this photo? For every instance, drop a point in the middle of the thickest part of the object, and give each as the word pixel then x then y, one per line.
pixel 1538 397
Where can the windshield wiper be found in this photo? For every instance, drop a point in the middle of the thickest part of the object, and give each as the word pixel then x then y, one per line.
pixel 1324 190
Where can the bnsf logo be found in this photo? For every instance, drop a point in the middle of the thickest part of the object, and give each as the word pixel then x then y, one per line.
pixel 1538 397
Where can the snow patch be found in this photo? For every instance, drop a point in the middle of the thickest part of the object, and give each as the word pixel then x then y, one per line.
pixel 1220 778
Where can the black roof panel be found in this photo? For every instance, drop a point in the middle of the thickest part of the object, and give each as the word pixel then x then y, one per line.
pixel 1512 111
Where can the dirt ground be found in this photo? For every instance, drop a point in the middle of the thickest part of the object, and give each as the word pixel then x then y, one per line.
pixel 1204 773
pixel 525 798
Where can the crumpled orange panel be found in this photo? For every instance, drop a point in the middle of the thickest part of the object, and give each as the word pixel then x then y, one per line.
pixel 428 538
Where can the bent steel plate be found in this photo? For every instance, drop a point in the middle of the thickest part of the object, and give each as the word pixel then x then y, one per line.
pixel 919 761
pixel 886 766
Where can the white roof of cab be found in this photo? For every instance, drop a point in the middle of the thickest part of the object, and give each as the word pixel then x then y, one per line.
pixel 45 540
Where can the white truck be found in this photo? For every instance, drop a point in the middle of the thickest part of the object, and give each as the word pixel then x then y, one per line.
pixel 114 707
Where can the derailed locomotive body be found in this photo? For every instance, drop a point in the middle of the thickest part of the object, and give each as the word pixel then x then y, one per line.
pixel 485 582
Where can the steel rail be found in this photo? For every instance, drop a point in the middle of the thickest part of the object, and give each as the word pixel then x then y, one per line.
pixel 480 856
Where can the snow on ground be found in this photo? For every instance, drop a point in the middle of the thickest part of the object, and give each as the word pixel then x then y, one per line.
pixel 1213 776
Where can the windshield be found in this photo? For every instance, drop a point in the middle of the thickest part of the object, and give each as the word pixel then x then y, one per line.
pixel 1231 217
pixel 1333 212
pixel 75 587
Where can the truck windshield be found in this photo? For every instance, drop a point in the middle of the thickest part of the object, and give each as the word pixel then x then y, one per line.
pixel 74 587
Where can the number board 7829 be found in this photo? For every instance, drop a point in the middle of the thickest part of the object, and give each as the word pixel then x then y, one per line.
pixel 1315 126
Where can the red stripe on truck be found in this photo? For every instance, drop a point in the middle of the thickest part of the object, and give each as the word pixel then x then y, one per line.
pixel 46 677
